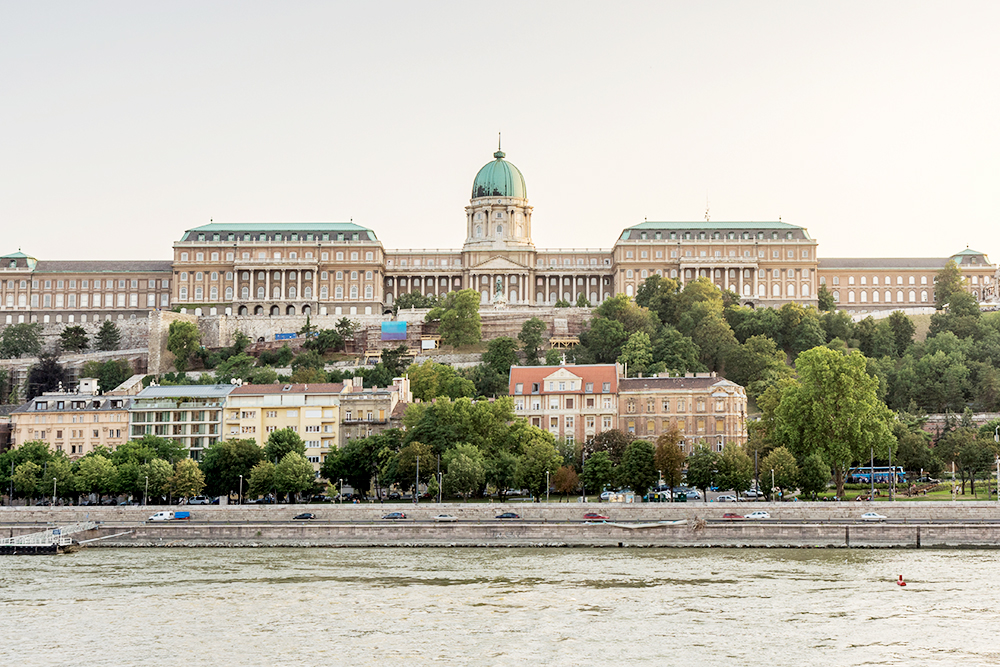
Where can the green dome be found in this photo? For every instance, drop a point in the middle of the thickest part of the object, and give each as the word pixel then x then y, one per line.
pixel 499 179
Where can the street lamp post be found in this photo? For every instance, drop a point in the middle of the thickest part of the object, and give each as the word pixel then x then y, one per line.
pixel 546 486
pixel 871 475
pixel 659 484
pixel 145 494
pixel 440 484
pixel 340 495
pixel 416 484
pixel 53 491
pixel 772 482
pixel 240 498
pixel 583 473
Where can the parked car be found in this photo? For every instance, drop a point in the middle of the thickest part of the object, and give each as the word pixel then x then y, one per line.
pixel 199 500
pixel 759 514
pixel 508 515
pixel 594 516
pixel 752 493
pixel 304 515
pixel 395 495
pixel 395 515
pixel 732 516
pixel 606 495
pixel 726 498
pixel 445 518
pixel 873 516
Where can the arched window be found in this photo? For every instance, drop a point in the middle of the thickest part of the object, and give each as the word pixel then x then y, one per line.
pixel 338 293
pixel 354 291
pixel 290 310
pixel 275 311
pixel 199 294
pixel 629 273
pixel 899 296
pixel 368 292
pixel 628 289
pixel 913 296
pixel 850 297
pixel 791 290
pixel 479 231
pixel 354 275
pixel 260 292
pixel 499 230
pixel 229 294
pixel 888 296
pixel 276 293
pixel 324 292
pixel 258 310
pixel 243 310
pixel 776 290
pixel 864 297
pixel 836 295
pixel 244 293
pixel 307 292
pixel 923 296
pixel 874 296
pixel 215 275
pixel 213 293
pixel 292 292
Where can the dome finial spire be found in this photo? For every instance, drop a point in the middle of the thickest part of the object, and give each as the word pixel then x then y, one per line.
pixel 499 154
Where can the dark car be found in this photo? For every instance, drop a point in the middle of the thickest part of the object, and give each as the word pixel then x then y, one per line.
pixel 304 515
pixel 395 495
pixel 395 515
pixel 594 516
pixel 509 515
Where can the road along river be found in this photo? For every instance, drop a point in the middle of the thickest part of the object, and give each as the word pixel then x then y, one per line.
pixel 448 606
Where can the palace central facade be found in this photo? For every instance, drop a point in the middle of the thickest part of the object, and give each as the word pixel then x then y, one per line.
pixel 321 268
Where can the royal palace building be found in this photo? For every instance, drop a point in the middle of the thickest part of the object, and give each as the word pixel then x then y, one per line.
pixel 338 268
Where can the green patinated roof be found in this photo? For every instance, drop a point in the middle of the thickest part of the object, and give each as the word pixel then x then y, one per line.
pixel 968 251
pixel 16 255
pixel 280 227
pixel 706 225
pixel 499 179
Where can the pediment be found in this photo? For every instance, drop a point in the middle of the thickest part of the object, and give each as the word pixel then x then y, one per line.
pixel 561 374
pixel 497 263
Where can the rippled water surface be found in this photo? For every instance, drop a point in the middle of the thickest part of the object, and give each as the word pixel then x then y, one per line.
pixel 500 607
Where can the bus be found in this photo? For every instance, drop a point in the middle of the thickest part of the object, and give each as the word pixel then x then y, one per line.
pixel 883 475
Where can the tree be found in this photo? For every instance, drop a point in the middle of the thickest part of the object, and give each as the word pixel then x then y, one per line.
pixel 902 329
pixel 225 461
pixel 637 470
pixel 604 339
pixel 109 374
pixel 464 473
pixel 637 353
pixel 825 299
pixel 948 281
pixel 27 478
pixel 96 474
pixel 756 364
pixel 282 441
pixel 347 329
pixel 531 339
pixel 538 460
pixel 183 339
pixel 324 341
pixel 582 301
pixel 187 480
pixel 261 479
pixel 109 337
pixel 501 354
pixel 46 375
pixel 74 339
pixel 669 457
pixel 413 299
pixel 158 473
pixel 814 475
pixel 613 441
pixel 598 472
pixel 677 352
pixel 294 475
pixel 834 410
pixel 406 466
pixel 703 466
pixel 735 469
pixel 786 470
pixel 501 472
pixel 459 315
pixel 18 340
pixel 566 480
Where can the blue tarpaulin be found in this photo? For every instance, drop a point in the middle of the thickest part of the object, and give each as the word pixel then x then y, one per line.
pixel 394 331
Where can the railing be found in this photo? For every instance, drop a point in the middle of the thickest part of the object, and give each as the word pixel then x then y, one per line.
pixel 58 536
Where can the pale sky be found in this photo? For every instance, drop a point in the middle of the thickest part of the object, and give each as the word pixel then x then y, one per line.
pixel 876 125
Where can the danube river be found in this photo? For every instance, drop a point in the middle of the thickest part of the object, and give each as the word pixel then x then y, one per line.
pixel 315 607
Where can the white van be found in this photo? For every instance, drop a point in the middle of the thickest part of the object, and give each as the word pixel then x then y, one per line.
pixel 162 516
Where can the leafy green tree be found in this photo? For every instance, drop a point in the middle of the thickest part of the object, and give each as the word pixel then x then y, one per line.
pixel 834 409
pixel 324 341
pixel 637 354
pixel 282 441
pixel 431 379
pixel 96 474
pixel 604 339
pixel 225 461
pixel 661 296
pixel 459 315
pixel 785 467
pixel 27 479
pixel 501 472
pixel 562 303
pixel 638 470
pixel 902 329
pixel 413 299
pixel 913 451
pixel 814 475
pixel 158 472
pixel 566 480
pixel 60 469
pixel 501 354
pixel 18 340
pixel 825 298
pixel 109 337
pixel 949 280
pixel 239 366
pixel 703 465
pixel 406 466
pixel 582 301
pixel 187 480
pixel 669 457
pixel 531 339
pixel 633 318
pixel 553 357
pixel 261 479
pixel 756 364
pixel 395 361
pixel 538 457
pixel 735 469
pixel 109 374
pixel 47 375
pixel 294 475
pixel 487 381
pixel 465 472
pixel 74 339
pixel 347 329
pixel 837 324
pixel 359 461
pixel 598 472
pixel 183 340
pixel 676 352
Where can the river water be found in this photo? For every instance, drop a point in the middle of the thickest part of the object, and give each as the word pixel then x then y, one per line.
pixel 314 607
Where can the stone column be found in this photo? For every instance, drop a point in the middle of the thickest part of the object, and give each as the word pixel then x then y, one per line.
pixel 284 289
pixel 267 284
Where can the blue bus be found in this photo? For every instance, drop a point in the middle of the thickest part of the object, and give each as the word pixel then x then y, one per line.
pixel 883 475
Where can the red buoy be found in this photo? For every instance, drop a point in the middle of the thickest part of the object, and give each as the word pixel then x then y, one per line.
pixel 900 582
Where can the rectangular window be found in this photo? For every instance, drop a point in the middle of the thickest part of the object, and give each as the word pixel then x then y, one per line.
pixel 605 423
pixel 589 387
pixel 519 388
